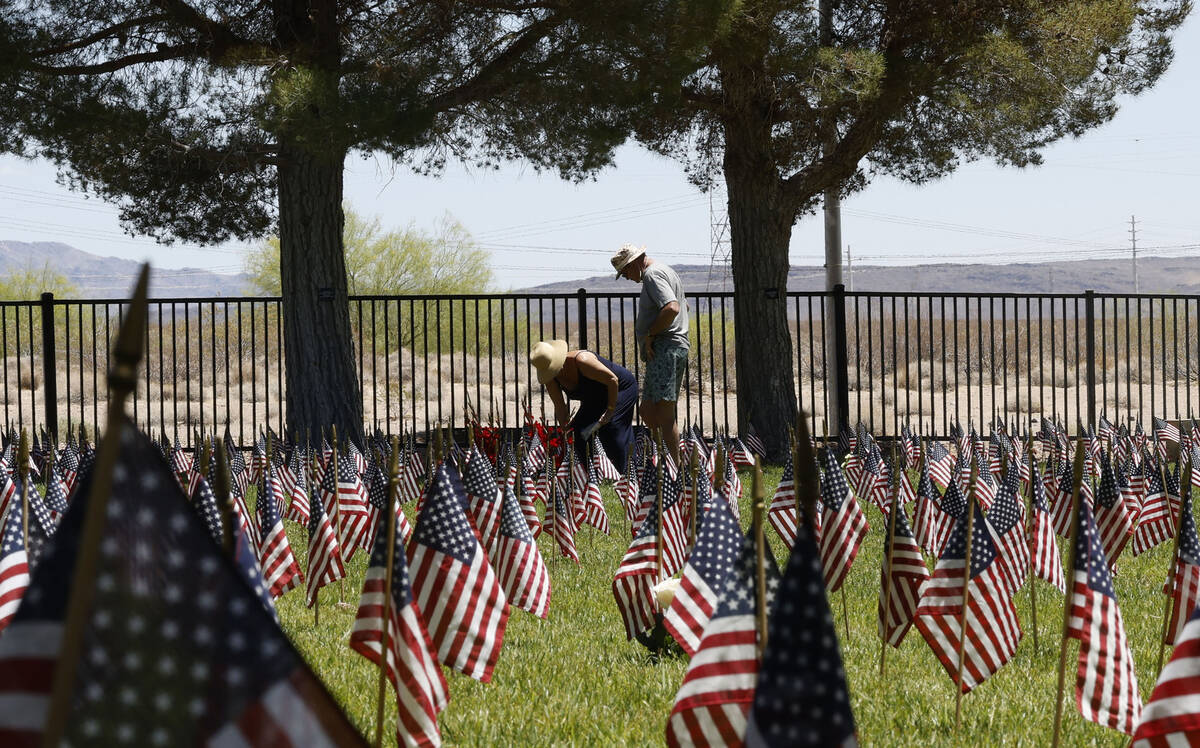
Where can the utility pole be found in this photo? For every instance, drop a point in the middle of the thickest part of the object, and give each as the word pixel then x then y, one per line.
pixel 833 232
pixel 1133 242
pixel 849 268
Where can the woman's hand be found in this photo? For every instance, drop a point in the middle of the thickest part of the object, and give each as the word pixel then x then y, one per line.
pixel 605 417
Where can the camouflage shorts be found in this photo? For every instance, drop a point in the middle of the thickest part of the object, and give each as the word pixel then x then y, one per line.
pixel 665 372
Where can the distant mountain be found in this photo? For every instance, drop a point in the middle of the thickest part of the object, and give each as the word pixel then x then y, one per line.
pixel 1155 275
pixel 112 277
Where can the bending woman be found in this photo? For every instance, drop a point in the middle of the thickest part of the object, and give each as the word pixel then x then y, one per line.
pixel 607 395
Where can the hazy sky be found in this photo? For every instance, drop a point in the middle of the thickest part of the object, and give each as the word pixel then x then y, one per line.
pixel 540 229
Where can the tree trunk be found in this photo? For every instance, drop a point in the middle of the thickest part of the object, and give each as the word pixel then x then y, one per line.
pixel 760 229
pixel 322 382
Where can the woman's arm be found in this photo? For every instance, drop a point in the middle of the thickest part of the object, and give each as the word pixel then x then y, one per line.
pixel 590 367
pixel 561 412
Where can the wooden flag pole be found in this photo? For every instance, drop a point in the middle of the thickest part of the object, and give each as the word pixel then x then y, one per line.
pixel 335 515
pixel 629 469
pixel 757 493
pixel 310 474
pixel 385 645
pixel 695 471
pixel 122 378
pixel 966 594
pixel 1029 527
pixel 552 498
pixel 221 491
pixel 1071 538
pixel 1185 480
pixel 658 543
pixel 889 542
pixel 23 473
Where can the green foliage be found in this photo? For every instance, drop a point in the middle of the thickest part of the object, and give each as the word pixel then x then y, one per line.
pixel 545 692
pixel 389 262
pixel 28 284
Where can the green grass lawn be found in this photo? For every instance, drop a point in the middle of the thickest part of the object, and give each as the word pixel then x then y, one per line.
pixel 574 679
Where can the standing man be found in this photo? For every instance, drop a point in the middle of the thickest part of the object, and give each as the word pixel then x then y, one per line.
pixel 662 337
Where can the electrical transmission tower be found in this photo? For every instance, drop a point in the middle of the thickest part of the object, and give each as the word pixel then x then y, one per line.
pixel 720 246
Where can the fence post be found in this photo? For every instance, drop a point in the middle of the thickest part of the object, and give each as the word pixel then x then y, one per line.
pixel 49 362
pixel 841 360
pixel 581 299
pixel 1090 311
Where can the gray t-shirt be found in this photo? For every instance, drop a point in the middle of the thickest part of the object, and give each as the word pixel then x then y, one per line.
pixel 661 286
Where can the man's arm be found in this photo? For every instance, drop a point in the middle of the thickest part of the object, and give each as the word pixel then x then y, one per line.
pixel 666 315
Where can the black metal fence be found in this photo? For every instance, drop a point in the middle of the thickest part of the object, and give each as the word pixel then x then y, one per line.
pixel 923 359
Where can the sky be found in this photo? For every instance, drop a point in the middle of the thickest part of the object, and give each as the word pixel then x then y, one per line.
pixel 540 229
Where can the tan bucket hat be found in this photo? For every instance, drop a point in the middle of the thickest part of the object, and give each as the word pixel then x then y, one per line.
pixel 548 359
pixel 625 255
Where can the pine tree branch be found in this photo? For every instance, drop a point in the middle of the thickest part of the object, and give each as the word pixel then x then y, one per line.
pixel 99 36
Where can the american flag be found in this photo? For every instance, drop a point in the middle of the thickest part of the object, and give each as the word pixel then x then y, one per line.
pixel 68 466
pixel 941 464
pixel 718 688
pixel 1007 518
pixel 627 489
pixel 483 498
pixel 378 499
pixel 872 479
pixel 733 484
pixel 518 563
pixel 993 631
pixel 985 488
pixel 640 568
pixel 843 526
pixel 1172 716
pixel 56 494
pixel 1165 432
pixel 1156 521
pixel 604 466
pixel 345 499
pixel 753 442
pixel 718 542
pixel 1113 523
pixel 178 650
pixel 1061 491
pixel 412 667
pixel 1107 431
pixel 294 477
pixel 931 523
pixel 905 578
pixel 528 509
pixel 456 588
pixel 240 477
pixel 14 565
pixel 1043 546
pixel 909 447
pixel 560 523
pixel 1106 689
pixel 324 555
pixel 801 697
pixel 279 566
pixel 1184 586
pixel 738 452
pixel 593 503
pixel 1132 486
pixel 205 504
pixel 782 513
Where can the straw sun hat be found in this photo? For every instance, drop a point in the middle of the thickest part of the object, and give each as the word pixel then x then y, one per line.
pixel 625 255
pixel 548 359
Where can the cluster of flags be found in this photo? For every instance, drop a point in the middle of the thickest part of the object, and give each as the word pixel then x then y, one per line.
pixel 439 591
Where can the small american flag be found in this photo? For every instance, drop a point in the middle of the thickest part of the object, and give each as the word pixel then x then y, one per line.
pixel 843 526
pixel 1165 432
pixel 1113 523
pixel 906 576
pixel 992 630
pixel 483 498
pixel 279 566
pixel 205 504
pixel 178 649
pixel 1106 689
pixel 718 688
pixel 782 513
pixel 604 466
pixel 455 586
pixel 593 503
pixel 1184 587
pixel 1172 716
pixel 639 569
pixel 1156 521
pixel 324 555
pixel 14 565
pixel 528 509
pixel 294 477
pixel 931 523
pixel 718 542
pixel 801 697
pixel 345 499
pixel 1007 518
pixel 412 667
pixel 518 563
pixel 559 521
pixel 1043 546
pixel 941 464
